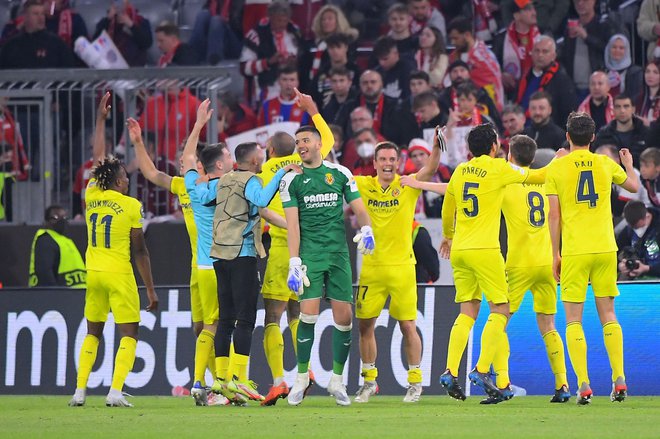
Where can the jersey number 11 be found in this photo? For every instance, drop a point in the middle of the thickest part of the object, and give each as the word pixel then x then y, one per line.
pixel 107 220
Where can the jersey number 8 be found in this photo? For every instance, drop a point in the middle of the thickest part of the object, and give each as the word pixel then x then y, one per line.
pixel 536 213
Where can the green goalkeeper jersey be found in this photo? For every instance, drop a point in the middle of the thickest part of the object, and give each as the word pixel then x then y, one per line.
pixel 318 193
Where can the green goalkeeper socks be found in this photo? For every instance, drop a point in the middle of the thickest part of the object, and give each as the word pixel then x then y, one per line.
pixel 341 346
pixel 304 341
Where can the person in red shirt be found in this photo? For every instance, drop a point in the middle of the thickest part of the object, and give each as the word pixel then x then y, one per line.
pixel 283 108
pixel 233 117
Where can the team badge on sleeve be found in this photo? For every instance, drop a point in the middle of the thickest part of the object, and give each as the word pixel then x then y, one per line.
pixel 329 178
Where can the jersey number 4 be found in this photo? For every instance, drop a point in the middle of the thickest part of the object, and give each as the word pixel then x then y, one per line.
pixel 471 198
pixel 107 220
pixel 586 191
pixel 536 213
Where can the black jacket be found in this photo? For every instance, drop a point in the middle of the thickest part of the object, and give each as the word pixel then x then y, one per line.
pixel 609 135
pixel 647 248
pixel 562 91
pixel 396 82
pixel 547 136
pixel 428 265
pixel 396 126
pixel 38 50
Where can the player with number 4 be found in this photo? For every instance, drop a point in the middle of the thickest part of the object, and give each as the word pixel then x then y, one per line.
pixel 578 187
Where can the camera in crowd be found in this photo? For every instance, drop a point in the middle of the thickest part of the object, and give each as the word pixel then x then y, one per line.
pixel 631 257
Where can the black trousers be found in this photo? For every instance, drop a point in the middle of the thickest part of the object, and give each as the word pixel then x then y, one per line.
pixel 238 291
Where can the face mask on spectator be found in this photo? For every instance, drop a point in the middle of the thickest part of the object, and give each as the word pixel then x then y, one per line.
pixel 366 150
pixel 640 232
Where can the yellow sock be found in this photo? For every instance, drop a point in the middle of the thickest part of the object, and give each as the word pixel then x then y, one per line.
pixel 202 350
pixel 274 349
pixel 240 366
pixel 211 362
pixel 293 326
pixel 501 363
pixel 232 363
pixel 554 347
pixel 369 372
pixel 87 357
pixel 577 351
pixel 123 361
pixel 458 339
pixel 614 345
pixel 491 340
pixel 221 366
pixel 414 374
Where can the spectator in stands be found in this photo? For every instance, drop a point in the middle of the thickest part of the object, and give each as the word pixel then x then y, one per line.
pixel 54 259
pixel 175 52
pixel 484 68
pixel 620 196
pixel 543 129
pixel 284 108
pixel 547 75
pixel 35 47
pixel 393 69
pixel 341 99
pixel 130 32
pixel 419 83
pixel 273 43
pixel 427 112
pixel 650 172
pixel 337 49
pixel 599 103
pixel 360 118
pixel 626 130
pixel 429 205
pixel 514 47
pixel 639 257
pixel 328 22
pixel 233 117
pixel 483 19
pixel 458 73
pixel 550 14
pixel 513 122
pixel 302 12
pixel 425 15
pixel 431 57
pixel 623 75
pixel 13 159
pixel 338 147
pixel 648 26
pixel 64 22
pixel 212 34
pixel 648 102
pixel 366 140
pixel 585 39
pixel 14 26
pixel 399 19
pixel 427 265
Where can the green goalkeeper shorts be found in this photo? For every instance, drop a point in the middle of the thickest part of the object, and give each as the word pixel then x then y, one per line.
pixel 330 277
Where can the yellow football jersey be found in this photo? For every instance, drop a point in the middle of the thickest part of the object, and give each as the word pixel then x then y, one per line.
pixel 274 164
pixel 583 181
pixel 392 210
pixel 110 217
pixel 178 188
pixel 525 209
pixel 472 206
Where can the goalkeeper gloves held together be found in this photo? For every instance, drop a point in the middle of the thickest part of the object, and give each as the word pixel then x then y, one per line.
pixel 365 240
pixel 297 279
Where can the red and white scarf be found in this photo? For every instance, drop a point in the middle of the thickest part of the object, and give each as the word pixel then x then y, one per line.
pixel 517 59
pixel 585 107
pixel 484 23
pixel 318 56
pixel 424 62
pixel 166 58
pixel 378 113
pixel 484 71
pixel 65 26
pixel 472 121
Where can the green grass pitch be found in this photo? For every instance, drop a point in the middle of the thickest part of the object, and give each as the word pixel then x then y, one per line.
pixel 319 417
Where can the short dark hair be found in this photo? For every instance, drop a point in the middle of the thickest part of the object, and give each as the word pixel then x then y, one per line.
pixel 383 46
pixel 338 39
pixel 513 108
pixel 107 172
pixel 424 98
pixel 210 154
pixel 341 71
pixel 420 74
pixel 229 100
pixel 634 211
pixel 523 149
pixel 480 139
pixel 244 150
pixel 624 96
pixel 168 28
pixel 460 24
pixel 538 95
pixel 398 8
pixel 650 156
pixel 283 144
pixel 287 69
pixel 387 145
pixel 279 7
pixel 199 149
pixel 309 129
pixel 467 89
pixel 50 211
pixel 580 128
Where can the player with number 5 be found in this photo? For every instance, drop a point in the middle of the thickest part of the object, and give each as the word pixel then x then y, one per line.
pixel 578 187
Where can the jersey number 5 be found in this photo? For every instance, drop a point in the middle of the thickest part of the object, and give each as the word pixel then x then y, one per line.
pixel 536 212
pixel 586 191
pixel 107 220
pixel 472 198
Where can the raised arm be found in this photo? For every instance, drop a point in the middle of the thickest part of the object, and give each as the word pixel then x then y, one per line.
pixel 632 182
pixel 306 103
pixel 189 156
pixel 555 234
pixel 102 112
pixel 147 167
pixel 143 263
pixel 431 166
pixel 415 183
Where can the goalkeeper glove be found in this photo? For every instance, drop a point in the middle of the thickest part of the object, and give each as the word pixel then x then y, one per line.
pixel 297 279
pixel 365 240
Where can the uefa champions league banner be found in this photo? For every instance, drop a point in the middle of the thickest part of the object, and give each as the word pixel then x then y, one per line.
pixel 41 331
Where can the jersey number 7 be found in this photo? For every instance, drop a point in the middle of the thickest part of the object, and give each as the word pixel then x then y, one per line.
pixel 472 198
pixel 107 220
pixel 586 192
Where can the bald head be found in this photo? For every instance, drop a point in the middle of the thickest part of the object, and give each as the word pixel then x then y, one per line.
pixel 371 85
pixel 599 86
pixel 544 52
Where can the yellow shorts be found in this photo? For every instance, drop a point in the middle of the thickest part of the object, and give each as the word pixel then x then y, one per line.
pixel 208 295
pixel 477 271
pixel 377 283
pixel 116 292
pixel 195 301
pixel 277 270
pixel 540 281
pixel 578 270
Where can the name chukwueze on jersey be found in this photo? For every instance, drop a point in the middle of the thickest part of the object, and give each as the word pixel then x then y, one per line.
pixel 321 200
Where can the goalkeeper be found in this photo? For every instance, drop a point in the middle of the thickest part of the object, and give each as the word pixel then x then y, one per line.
pixel 313 206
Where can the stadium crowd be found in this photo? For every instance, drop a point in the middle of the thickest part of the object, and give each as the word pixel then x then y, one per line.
pixel 379 71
